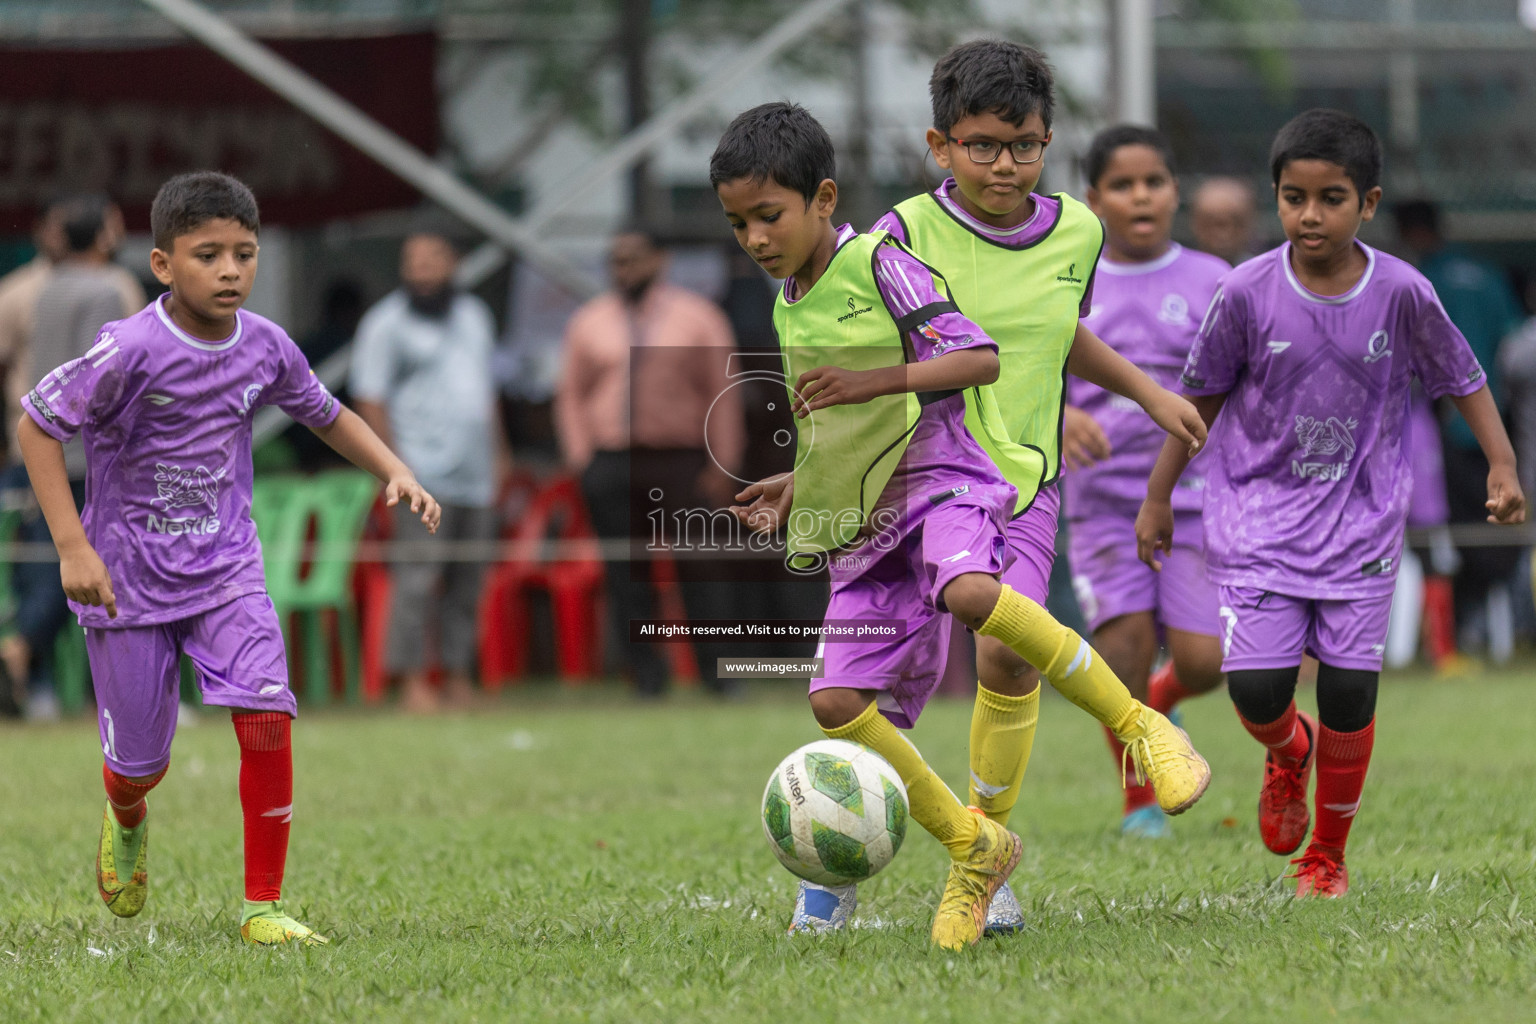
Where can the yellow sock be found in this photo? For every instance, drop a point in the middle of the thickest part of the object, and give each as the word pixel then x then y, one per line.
pixel 932 804
pixel 1064 658
pixel 1002 735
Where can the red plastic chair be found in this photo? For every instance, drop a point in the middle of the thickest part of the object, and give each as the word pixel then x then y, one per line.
pixel 574 586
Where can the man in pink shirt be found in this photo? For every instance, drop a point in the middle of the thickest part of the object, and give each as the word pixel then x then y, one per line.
pixel 646 417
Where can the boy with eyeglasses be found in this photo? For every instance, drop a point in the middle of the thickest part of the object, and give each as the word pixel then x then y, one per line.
pixel 1021 265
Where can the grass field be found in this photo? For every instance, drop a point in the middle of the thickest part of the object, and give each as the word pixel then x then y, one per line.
pixel 576 857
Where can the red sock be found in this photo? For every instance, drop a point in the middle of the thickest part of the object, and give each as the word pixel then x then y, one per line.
pixel 266 798
pixel 1136 797
pixel 1164 691
pixel 1342 759
pixel 1439 627
pixel 1285 736
pixel 126 797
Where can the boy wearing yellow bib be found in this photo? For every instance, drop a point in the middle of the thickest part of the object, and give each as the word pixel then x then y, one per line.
pixel 1022 266
pixel 892 491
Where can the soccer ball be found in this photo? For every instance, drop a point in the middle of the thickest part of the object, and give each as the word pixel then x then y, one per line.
pixel 835 812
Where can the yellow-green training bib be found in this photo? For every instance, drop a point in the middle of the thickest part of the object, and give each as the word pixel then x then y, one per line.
pixel 1027 299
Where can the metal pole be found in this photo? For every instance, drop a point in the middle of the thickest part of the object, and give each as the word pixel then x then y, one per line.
pixel 1403 80
pixel 860 186
pixel 1136 77
pixel 374 139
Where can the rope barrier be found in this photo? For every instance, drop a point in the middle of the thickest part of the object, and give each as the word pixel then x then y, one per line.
pixel 1465 535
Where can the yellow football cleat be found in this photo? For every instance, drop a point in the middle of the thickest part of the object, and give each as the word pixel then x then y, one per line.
pixel 121 845
pixel 265 924
pixel 1163 754
pixel 973 880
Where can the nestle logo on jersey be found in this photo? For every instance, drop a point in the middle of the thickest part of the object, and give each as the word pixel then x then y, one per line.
pixel 853 311
pixel 176 527
pixel 177 488
pixel 1071 275
pixel 1319 470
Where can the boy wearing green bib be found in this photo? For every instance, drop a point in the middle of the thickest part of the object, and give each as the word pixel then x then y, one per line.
pixel 894 494
pixel 1022 266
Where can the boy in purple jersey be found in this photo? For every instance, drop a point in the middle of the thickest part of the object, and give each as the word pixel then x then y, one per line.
pixel 165 560
pixel 1148 296
pixel 1307 353
pixel 993 103
pixel 940 547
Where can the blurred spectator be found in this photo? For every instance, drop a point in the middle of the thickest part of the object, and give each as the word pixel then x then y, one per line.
pixel 1517 364
pixel 82 291
pixel 18 301
pixel 768 589
pixel 643 366
pixel 1222 215
pixel 421 378
pixel 1482 305
pixel 341 307
pixel 1424 593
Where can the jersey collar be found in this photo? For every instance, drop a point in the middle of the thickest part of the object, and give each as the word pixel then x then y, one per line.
pixel 1329 300
pixel 944 195
pixel 200 345
pixel 1109 266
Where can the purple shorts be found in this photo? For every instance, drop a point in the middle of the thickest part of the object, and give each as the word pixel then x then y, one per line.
pixel 1032 546
pixel 1262 629
pixel 1110 581
pixel 907 583
pixel 237 649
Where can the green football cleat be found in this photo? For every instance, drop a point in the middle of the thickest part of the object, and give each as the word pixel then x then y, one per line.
pixel 124 897
pixel 265 924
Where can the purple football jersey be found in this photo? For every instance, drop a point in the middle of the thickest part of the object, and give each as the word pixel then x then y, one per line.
pixel 166 420
pixel 1307 481
pixel 1148 312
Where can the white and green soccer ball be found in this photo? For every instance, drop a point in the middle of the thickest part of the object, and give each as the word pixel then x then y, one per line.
pixel 835 812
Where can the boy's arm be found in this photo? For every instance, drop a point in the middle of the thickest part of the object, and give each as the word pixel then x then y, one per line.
pixel 1506 502
pixel 359 445
pixel 822 386
pixel 1154 523
pixel 376 416
pixel 1094 361
pixel 1083 441
pixel 768 502
pixel 81 571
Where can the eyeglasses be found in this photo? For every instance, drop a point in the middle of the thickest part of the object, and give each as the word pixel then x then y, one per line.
pixel 986 151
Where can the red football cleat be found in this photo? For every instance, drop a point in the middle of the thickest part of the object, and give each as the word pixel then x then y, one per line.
pixel 1321 872
pixel 1283 813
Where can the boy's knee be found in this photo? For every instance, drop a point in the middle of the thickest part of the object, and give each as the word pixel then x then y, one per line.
pixel 1002 670
pixel 1128 643
pixel 971 597
pixel 837 707
pixel 1346 697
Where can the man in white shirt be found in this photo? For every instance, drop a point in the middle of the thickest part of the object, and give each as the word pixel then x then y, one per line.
pixel 421 378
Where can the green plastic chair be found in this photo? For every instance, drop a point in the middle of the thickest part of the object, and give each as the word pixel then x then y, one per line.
pixel 336 503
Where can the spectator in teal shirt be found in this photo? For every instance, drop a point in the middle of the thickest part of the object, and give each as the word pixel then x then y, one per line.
pixel 1480 302
pixel 1477 297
